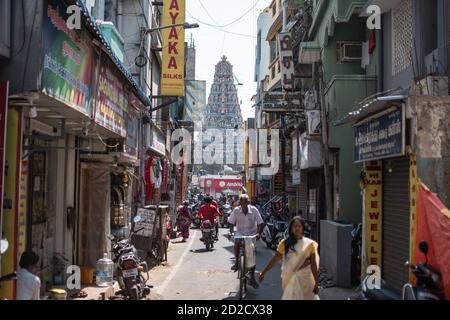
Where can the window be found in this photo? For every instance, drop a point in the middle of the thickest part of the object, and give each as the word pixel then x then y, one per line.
pixel 273 50
pixel 258 47
pixel 349 52
pixel 402 36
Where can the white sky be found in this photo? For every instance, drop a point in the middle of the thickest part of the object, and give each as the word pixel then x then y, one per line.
pixel 212 42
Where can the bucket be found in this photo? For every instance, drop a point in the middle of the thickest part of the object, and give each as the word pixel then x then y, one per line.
pixel 87 275
pixel 58 294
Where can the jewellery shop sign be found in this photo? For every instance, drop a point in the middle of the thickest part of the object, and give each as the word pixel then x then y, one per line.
pixel 381 136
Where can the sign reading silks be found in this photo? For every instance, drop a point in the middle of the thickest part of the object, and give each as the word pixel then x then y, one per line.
pixel 172 70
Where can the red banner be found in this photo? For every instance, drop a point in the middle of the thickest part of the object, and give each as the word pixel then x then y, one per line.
pixel 433 226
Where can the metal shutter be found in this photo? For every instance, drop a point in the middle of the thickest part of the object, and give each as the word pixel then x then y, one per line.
pixel 396 214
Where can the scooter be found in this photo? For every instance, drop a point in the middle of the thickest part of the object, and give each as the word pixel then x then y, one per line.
pixel 429 284
pixel 130 268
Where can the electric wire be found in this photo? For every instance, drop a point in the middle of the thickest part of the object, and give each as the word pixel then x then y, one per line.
pixel 232 22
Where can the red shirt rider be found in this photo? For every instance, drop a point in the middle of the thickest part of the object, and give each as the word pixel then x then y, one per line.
pixel 209 212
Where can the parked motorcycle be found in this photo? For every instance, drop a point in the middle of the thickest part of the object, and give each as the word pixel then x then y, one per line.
pixel 208 234
pixel 274 232
pixel 429 284
pixel 130 268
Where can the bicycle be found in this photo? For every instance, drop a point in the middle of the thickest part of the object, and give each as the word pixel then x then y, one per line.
pixel 245 262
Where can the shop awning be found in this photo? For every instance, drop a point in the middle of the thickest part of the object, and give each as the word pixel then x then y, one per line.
pixel 372 105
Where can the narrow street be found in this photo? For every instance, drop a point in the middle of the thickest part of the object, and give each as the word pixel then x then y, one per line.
pixel 194 274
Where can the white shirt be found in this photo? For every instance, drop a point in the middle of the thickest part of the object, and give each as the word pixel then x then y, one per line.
pixel 246 224
pixel 28 285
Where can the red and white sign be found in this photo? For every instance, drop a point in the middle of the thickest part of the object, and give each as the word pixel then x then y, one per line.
pixel 219 184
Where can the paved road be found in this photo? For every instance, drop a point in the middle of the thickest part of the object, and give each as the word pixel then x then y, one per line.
pixel 193 273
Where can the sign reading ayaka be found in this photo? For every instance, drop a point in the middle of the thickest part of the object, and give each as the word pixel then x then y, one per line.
pixel 286 60
pixel 380 137
pixel 172 69
pixel 282 102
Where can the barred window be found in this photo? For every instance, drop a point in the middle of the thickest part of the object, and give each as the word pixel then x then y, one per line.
pixel 402 36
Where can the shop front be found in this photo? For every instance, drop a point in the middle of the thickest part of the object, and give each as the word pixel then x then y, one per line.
pixel 72 152
pixel 380 145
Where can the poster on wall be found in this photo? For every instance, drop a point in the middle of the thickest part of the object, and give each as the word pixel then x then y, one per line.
pixel 132 122
pixel 172 69
pixel 68 60
pixel 147 223
pixel 111 107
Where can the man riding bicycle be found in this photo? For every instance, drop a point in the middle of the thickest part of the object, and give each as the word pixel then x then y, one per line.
pixel 248 222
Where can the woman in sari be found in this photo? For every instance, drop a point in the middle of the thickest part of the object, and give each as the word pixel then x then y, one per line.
pixel 299 271
pixel 184 220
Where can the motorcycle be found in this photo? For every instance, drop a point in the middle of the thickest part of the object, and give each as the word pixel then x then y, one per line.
pixel 226 212
pixel 428 287
pixel 130 268
pixel 10 276
pixel 196 219
pixel 273 232
pixel 208 234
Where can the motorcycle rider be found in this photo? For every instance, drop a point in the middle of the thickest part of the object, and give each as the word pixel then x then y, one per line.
pixel 248 222
pixel 209 212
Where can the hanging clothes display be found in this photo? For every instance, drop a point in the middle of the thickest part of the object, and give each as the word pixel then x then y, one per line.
pixel 156 173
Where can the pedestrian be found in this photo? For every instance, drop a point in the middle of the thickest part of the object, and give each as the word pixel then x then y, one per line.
pixel 28 284
pixel 184 220
pixel 299 271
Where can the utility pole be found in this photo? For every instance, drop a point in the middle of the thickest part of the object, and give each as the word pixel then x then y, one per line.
pixel 325 146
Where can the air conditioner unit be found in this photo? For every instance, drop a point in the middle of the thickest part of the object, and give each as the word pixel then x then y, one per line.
pixel 349 52
pixel 434 86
